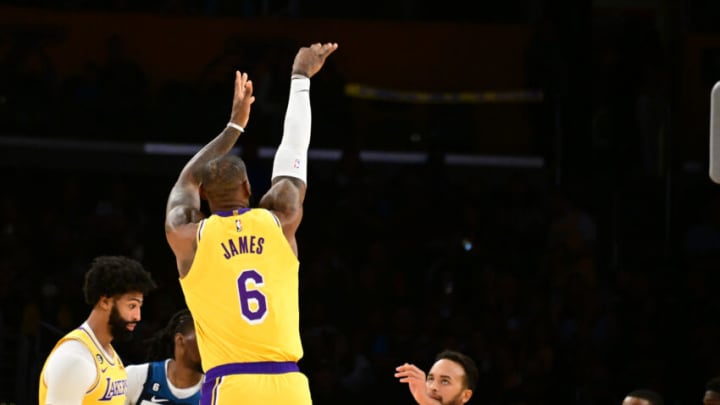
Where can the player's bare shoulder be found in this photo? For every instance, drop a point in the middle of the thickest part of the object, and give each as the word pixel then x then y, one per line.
pixel 284 199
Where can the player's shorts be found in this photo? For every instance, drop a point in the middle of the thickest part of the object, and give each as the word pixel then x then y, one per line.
pixel 256 383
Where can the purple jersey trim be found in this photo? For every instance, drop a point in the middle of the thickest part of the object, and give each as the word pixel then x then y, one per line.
pixel 209 391
pixel 261 367
pixel 214 376
pixel 231 213
pixel 277 220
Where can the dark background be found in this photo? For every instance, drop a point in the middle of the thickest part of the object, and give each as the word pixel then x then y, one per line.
pixel 574 281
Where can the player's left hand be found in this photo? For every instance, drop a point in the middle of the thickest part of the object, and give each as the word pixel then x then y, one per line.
pixel 242 99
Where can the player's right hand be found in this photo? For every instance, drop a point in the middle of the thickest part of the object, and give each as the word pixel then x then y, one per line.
pixel 309 60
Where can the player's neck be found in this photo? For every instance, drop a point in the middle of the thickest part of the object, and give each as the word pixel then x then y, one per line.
pixel 182 377
pixel 230 208
pixel 229 205
pixel 100 327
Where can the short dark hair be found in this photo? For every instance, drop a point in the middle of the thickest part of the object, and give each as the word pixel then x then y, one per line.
pixel 220 176
pixel 713 384
pixel 649 395
pixel 109 276
pixel 472 375
pixel 161 345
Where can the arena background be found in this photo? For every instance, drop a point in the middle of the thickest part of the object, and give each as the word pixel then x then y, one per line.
pixel 525 181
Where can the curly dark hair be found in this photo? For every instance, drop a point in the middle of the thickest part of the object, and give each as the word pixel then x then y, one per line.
pixel 472 375
pixel 161 345
pixel 114 275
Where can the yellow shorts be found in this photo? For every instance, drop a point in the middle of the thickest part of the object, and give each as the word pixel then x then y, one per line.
pixel 228 384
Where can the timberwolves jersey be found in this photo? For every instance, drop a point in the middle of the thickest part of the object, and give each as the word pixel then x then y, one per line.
pixel 242 290
pixel 111 382
pixel 156 388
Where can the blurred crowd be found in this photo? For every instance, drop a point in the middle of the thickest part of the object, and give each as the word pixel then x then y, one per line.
pixel 505 11
pixel 398 263
pixel 571 291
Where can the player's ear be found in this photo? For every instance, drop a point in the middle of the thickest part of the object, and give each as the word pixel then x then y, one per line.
pixel 105 302
pixel 178 339
pixel 466 394
pixel 248 189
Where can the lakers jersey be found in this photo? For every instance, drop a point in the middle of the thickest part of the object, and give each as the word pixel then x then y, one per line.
pixel 111 382
pixel 242 290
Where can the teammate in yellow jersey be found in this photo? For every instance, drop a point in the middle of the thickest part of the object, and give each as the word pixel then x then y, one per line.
pixel 239 267
pixel 83 367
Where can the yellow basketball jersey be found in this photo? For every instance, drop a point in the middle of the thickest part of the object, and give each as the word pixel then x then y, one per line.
pixel 242 290
pixel 110 384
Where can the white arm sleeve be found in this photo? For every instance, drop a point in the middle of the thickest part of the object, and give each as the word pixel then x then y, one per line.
pixel 69 373
pixel 136 376
pixel 291 156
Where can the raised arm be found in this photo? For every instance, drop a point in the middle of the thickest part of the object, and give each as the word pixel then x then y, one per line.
pixel 289 177
pixel 183 213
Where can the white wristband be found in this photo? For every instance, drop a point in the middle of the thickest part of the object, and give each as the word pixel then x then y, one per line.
pixel 236 126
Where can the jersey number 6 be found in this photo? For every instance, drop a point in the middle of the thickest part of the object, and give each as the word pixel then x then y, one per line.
pixel 253 303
